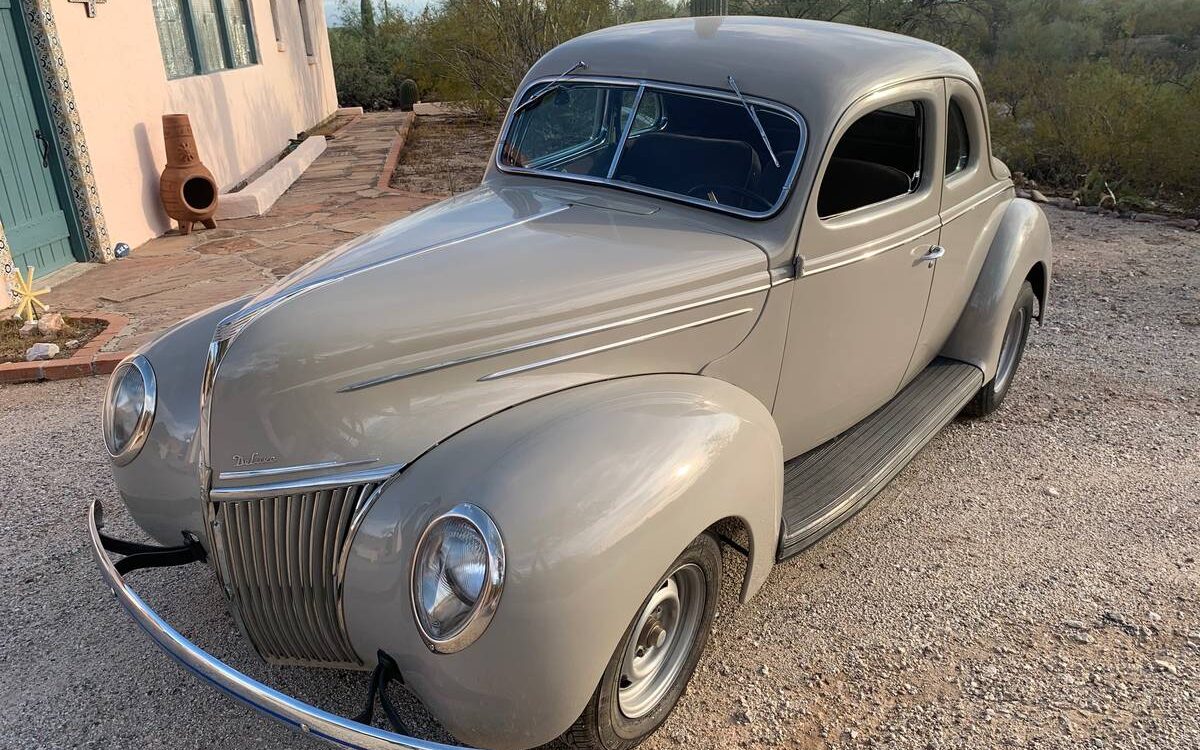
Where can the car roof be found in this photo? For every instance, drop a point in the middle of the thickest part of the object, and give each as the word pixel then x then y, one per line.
pixel 815 67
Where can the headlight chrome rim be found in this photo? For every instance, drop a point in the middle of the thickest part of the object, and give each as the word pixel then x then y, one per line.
pixel 480 616
pixel 145 419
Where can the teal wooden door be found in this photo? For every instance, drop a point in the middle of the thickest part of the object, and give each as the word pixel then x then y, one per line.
pixel 31 200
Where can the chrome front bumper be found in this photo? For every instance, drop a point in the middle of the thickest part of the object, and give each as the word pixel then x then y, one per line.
pixel 308 719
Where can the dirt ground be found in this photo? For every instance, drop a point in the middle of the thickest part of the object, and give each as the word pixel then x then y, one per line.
pixel 445 154
pixel 76 332
pixel 1029 581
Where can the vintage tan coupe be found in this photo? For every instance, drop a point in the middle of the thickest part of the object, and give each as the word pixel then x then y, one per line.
pixel 723 279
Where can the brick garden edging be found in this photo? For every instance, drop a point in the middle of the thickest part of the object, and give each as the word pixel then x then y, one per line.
pixel 85 362
pixel 384 184
pixel 393 157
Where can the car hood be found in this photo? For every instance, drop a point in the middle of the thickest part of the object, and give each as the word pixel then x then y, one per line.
pixel 374 353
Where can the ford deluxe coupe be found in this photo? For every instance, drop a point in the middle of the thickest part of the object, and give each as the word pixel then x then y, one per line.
pixel 722 279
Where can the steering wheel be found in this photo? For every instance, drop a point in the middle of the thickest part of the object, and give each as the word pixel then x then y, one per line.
pixel 756 200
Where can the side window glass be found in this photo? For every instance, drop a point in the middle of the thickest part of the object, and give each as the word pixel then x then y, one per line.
pixel 958 143
pixel 878 158
pixel 649 115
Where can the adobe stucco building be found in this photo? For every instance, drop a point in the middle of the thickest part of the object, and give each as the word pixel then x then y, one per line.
pixel 84 85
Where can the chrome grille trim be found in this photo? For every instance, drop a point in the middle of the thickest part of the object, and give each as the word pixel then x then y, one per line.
pixel 281 556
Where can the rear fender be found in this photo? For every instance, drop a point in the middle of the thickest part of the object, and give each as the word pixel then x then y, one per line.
pixel 1021 245
pixel 595 491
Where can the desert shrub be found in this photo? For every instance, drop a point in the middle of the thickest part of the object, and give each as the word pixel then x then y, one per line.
pixel 1095 128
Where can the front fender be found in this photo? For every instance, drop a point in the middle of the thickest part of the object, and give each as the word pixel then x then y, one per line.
pixel 161 486
pixel 1021 244
pixel 595 490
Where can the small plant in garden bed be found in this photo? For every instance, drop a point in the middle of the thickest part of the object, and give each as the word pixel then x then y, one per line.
pixel 446 153
pixel 76 332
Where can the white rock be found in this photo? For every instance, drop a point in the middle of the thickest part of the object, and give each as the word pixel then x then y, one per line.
pixel 41 351
pixel 1165 666
pixel 1052 491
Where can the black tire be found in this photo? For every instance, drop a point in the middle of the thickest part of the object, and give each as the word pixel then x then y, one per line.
pixel 603 725
pixel 992 394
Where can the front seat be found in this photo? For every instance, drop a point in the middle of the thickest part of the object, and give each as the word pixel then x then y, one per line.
pixel 679 163
pixel 851 183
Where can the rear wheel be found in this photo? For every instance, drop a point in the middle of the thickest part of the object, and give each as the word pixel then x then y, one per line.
pixel 1013 346
pixel 656 657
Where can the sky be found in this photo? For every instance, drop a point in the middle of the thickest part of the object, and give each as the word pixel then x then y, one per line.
pixel 333 8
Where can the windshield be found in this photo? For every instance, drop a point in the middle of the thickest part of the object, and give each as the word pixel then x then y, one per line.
pixel 691 146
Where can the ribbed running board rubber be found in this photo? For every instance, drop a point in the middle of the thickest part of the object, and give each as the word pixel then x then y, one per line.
pixel 831 482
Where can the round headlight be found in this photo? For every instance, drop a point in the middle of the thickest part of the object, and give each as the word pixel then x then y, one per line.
pixel 458 574
pixel 129 409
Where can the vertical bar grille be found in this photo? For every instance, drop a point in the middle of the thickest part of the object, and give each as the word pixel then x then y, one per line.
pixel 280 561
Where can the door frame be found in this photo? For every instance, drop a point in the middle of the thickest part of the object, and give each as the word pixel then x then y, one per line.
pixel 40 32
pixel 59 177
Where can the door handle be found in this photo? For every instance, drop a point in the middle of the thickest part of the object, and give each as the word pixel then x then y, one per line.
pixel 934 253
pixel 37 133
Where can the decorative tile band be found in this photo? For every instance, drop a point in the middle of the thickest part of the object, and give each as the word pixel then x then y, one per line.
pixel 64 115
pixel 8 297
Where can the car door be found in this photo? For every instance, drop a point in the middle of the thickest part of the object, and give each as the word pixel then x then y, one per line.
pixel 973 202
pixel 31 201
pixel 865 267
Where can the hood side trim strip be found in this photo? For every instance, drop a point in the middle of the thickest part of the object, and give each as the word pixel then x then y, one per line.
pixel 276 471
pixel 297 486
pixel 390 378
pixel 614 345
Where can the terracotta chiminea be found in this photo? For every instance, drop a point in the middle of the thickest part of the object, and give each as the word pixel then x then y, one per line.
pixel 187 189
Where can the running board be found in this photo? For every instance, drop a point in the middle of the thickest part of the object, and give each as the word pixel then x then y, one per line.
pixel 830 483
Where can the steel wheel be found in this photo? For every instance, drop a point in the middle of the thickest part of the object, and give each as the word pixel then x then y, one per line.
pixel 666 628
pixel 650 666
pixel 1012 345
pixel 1010 348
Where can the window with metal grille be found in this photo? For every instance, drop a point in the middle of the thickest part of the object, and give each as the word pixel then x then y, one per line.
pixel 203 36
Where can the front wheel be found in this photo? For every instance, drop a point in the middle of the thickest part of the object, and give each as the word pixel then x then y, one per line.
pixel 1015 335
pixel 656 657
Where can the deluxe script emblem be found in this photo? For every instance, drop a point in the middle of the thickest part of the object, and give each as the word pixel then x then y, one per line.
pixel 255 459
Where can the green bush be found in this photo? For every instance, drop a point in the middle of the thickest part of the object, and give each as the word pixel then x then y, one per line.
pixel 1099 130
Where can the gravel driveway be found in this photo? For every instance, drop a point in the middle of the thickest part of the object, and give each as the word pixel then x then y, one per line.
pixel 1031 580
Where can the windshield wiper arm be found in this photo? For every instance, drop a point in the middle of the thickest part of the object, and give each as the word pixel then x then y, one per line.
pixel 750 111
pixel 554 85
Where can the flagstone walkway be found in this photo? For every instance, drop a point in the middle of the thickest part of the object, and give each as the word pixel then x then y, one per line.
pixel 173 276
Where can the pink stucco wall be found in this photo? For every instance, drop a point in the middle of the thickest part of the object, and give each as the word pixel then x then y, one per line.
pixel 241 117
